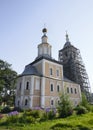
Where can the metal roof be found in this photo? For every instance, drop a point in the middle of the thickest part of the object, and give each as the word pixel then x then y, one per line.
pixel 30 70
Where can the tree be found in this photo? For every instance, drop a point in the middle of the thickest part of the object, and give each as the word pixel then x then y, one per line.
pixel 7 82
pixel 65 107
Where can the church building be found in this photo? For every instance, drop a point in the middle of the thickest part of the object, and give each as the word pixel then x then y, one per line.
pixel 42 81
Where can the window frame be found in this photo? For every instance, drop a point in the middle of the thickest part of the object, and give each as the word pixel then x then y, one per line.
pixel 51 71
pixel 75 90
pixel 71 90
pixel 27 85
pixel 26 102
pixel 51 87
pixel 58 88
pixel 67 89
pixel 52 102
pixel 57 72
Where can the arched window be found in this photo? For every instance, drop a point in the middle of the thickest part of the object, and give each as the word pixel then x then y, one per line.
pixel 27 85
pixel 67 89
pixel 75 91
pixel 58 102
pixel 26 102
pixel 18 103
pixel 51 88
pixel 58 88
pixel 71 90
pixel 52 102
pixel 51 71
pixel 57 72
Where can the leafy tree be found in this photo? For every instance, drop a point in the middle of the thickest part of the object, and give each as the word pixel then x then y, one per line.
pixel 7 82
pixel 65 107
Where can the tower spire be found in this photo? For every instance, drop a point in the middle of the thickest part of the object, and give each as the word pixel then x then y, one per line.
pixel 67 38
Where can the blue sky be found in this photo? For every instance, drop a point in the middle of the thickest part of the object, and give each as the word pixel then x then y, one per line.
pixel 21 23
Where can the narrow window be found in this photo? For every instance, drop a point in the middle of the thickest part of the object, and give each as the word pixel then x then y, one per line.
pixel 75 91
pixel 18 103
pixel 71 90
pixel 27 85
pixel 58 102
pixel 51 88
pixel 58 88
pixel 52 102
pixel 67 90
pixel 26 102
pixel 51 71
pixel 57 72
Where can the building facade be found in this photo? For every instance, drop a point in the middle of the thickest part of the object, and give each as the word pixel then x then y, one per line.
pixel 42 81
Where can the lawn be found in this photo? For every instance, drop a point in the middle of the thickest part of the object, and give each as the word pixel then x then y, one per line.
pixel 74 122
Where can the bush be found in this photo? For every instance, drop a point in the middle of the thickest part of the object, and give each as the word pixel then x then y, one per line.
pixel 65 107
pixel 51 114
pixel 44 117
pixel 12 119
pixel 26 119
pixel 6 109
pixel 48 114
pixel 17 109
pixel 30 119
pixel 34 113
pixel 81 110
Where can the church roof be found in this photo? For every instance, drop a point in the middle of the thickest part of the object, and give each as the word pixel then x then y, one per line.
pixel 47 58
pixel 68 80
pixel 30 70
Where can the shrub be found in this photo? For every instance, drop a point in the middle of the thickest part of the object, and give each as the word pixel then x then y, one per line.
pixel 17 109
pixel 26 119
pixel 12 119
pixel 51 114
pixel 81 110
pixel 48 114
pixel 30 119
pixel 6 109
pixel 65 107
pixel 44 116
pixel 35 113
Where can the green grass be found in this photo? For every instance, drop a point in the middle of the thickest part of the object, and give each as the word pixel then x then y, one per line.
pixel 82 122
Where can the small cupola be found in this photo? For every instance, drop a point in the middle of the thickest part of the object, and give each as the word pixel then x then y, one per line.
pixel 44 37
pixel 44 49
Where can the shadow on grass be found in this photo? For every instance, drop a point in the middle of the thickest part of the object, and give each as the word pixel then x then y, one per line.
pixel 59 126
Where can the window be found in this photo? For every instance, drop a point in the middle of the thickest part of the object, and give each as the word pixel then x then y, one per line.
pixel 18 103
pixel 26 102
pixel 52 102
pixel 75 91
pixel 57 72
pixel 51 71
pixel 51 88
pixel 58 88
pixel 71 90
pixel 37 87
pixel 58 102
pixel 67 90
pixel 27 85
